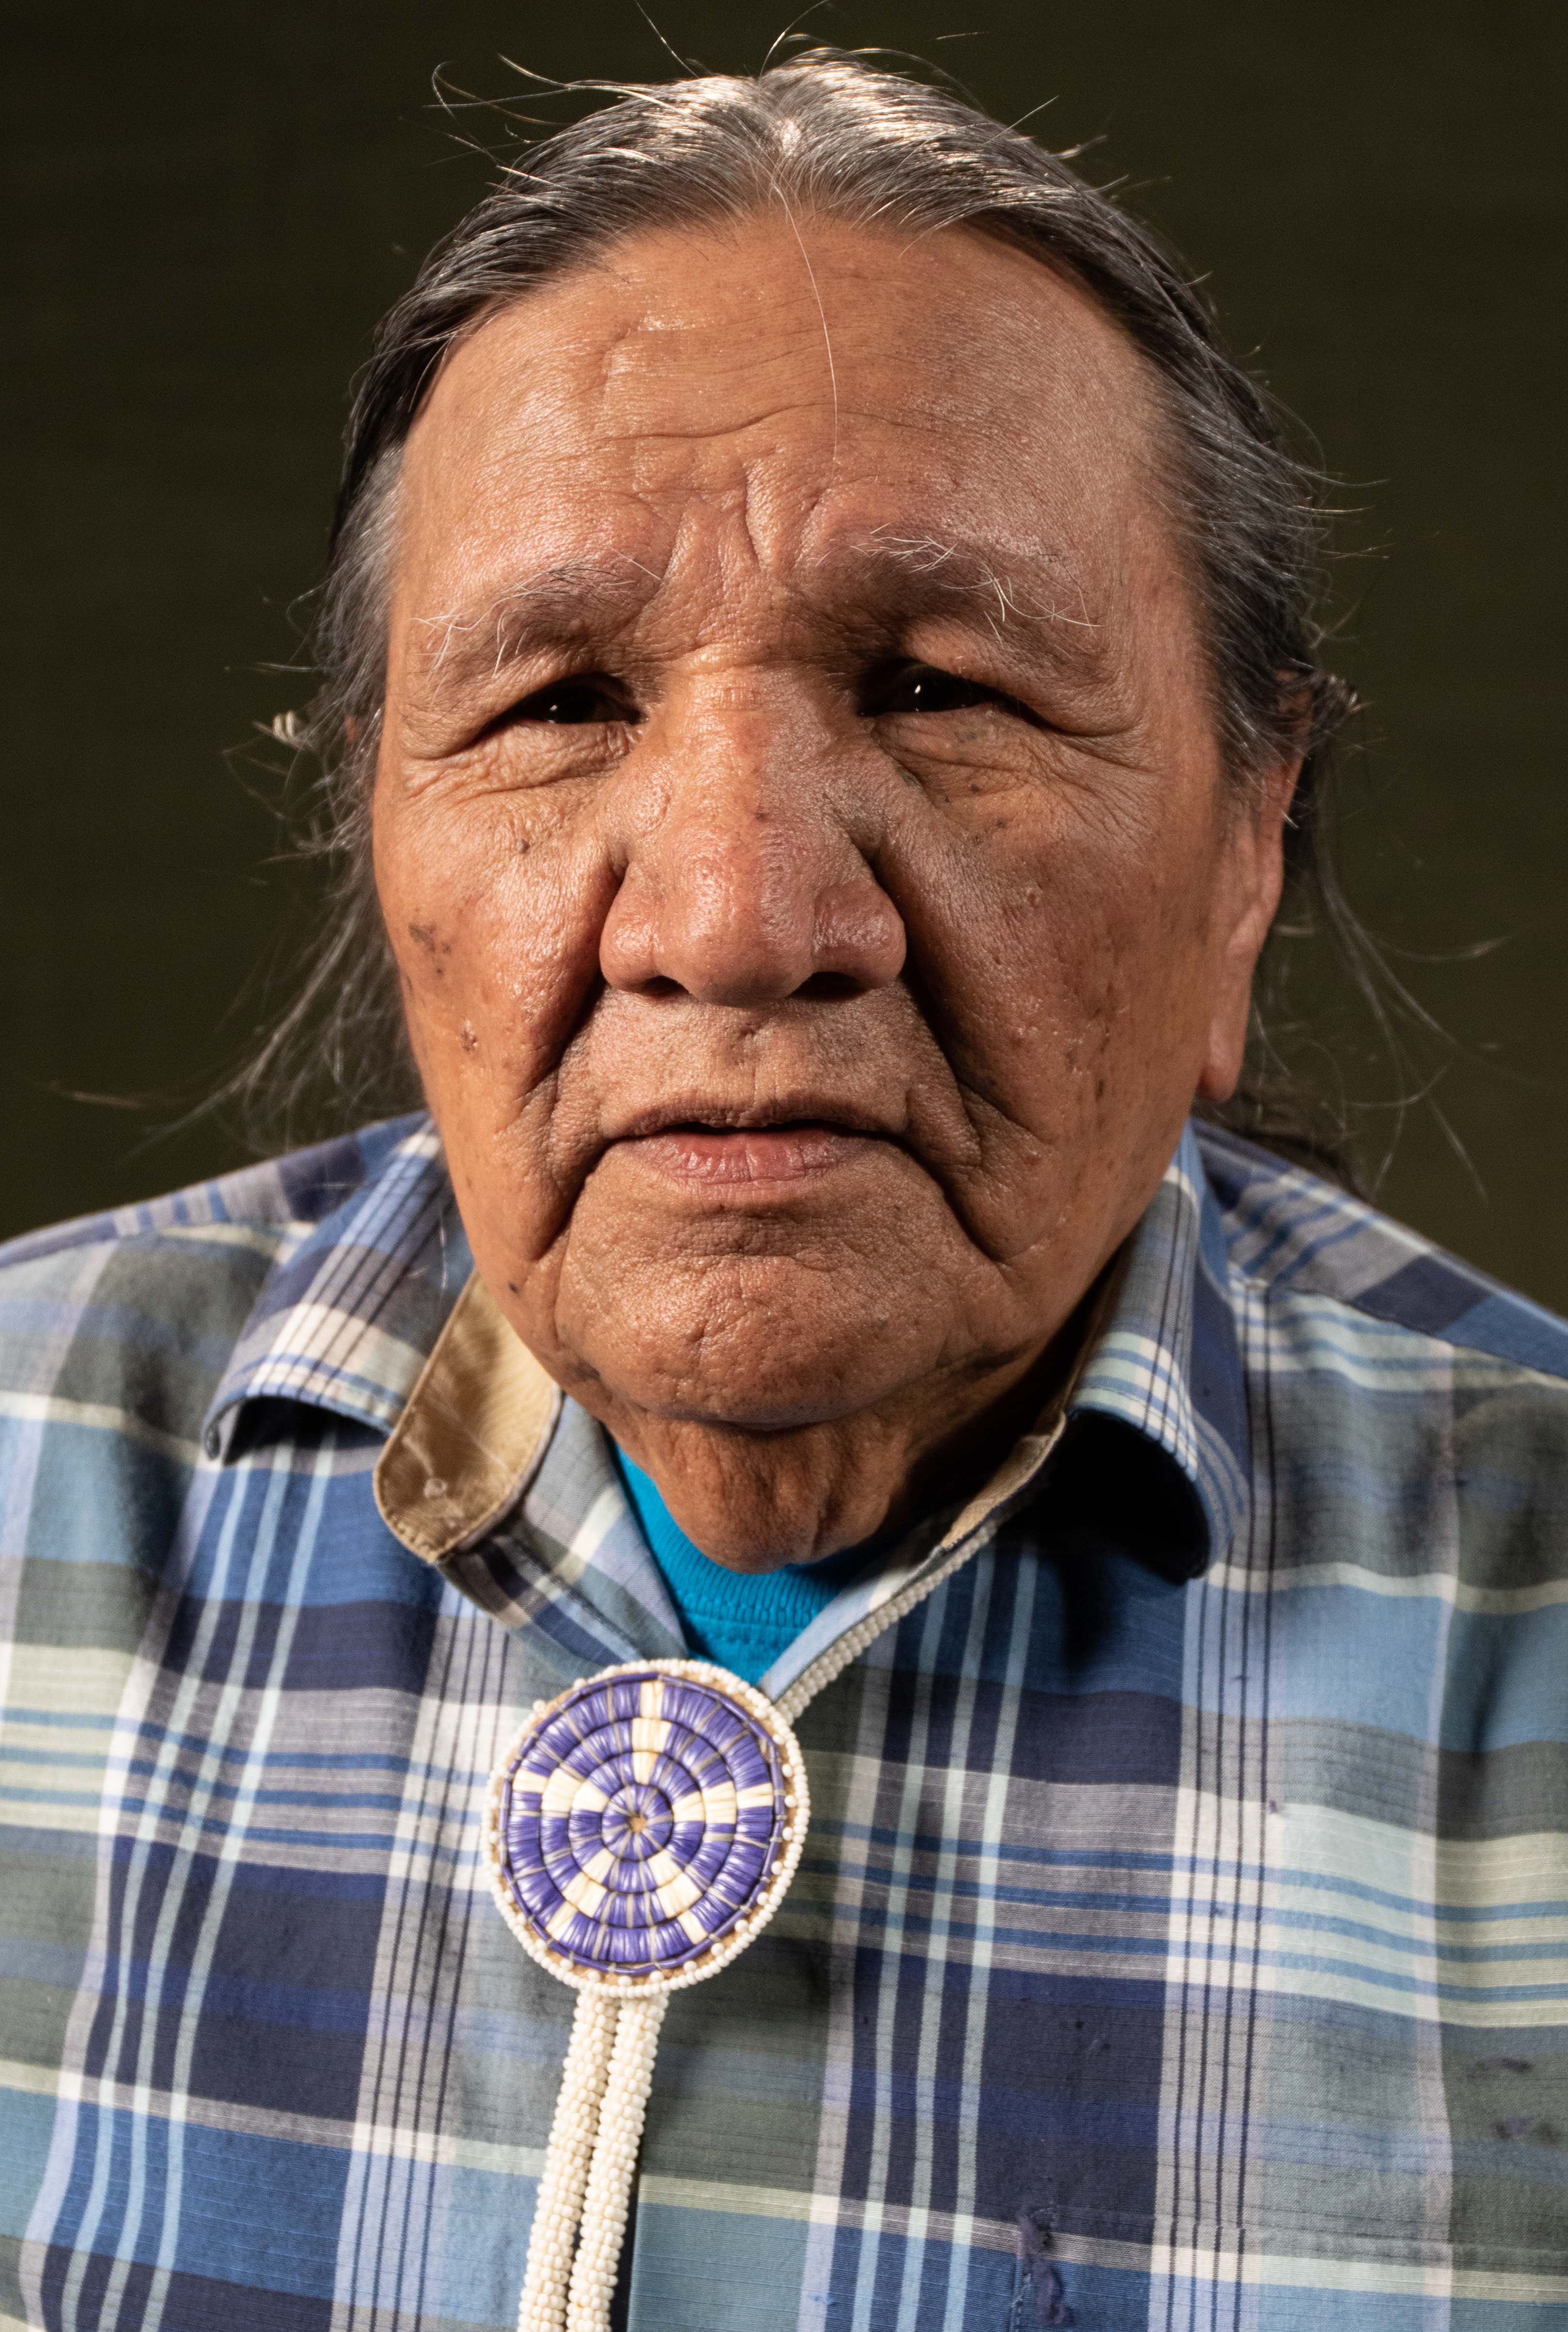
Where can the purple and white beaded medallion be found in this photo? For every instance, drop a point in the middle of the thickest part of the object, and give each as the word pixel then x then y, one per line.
pixel 645 1824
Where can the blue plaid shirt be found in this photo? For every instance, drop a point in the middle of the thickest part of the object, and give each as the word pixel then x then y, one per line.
pixel 1181 1936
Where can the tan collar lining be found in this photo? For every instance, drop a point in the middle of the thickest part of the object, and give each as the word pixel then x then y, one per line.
pixel 474 1428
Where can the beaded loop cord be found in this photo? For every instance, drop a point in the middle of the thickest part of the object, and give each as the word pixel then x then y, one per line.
pixel 639 1832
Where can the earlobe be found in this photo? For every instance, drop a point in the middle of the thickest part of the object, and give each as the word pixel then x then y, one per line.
pixel 1227 1049
pixel 1257 856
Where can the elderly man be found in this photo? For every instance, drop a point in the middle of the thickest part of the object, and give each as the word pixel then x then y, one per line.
pixel 1020 1641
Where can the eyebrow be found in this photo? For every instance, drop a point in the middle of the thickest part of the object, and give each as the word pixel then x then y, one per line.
pixel 930 574
pixel 864 583
pixel 572 599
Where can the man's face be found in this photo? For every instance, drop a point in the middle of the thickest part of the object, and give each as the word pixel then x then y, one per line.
pixel 800 824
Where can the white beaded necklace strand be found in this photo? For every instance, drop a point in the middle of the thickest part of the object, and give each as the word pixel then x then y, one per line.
pixel 642 1829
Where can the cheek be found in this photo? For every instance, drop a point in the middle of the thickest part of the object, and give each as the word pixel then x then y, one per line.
pixel 493 925
pixel 1132 955
pixel 1065 937
pixel 1135 972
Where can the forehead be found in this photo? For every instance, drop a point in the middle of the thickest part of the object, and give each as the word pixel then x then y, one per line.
pixel 800 381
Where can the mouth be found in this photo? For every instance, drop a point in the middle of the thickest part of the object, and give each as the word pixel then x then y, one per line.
pixel 714 1150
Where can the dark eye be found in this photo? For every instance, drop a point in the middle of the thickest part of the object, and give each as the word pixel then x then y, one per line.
pixel 926 688
pixel 571 704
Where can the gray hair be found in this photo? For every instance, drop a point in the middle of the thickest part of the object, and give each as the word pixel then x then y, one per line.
pixel 827 135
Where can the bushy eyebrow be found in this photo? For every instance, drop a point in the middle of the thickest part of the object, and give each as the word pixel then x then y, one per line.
pixel 572 601
pixel 887 575
pixel 866 588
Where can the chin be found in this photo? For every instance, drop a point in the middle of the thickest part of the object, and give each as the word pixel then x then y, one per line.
pixel 729 1357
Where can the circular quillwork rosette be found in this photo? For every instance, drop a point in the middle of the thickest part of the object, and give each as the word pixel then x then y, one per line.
pixel 645 1825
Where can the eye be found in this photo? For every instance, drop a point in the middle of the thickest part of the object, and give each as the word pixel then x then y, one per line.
pixel 584 698
pixel 926 688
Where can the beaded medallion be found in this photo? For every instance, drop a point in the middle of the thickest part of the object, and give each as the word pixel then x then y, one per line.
pixel 645 1825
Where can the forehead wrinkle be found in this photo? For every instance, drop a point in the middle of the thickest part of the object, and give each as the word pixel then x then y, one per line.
pixel 697 431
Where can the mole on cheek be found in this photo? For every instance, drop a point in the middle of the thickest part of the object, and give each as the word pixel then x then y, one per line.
pixel 424 936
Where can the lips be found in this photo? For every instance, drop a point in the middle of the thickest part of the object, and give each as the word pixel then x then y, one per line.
pixel 719 1150
pixel 749 1155
pixel 709 1114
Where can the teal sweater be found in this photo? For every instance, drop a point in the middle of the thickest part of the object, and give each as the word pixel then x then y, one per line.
pixel 743 1621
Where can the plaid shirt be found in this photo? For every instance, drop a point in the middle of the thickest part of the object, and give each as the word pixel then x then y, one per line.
pixel 1180 1936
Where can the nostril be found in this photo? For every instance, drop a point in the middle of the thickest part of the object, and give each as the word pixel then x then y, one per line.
pixel 824 985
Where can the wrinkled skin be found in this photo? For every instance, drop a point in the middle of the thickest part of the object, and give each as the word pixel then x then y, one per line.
pixel 801 831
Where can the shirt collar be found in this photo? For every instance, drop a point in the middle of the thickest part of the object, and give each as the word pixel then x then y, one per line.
pixel 377 1315
pixel 1165 1360
pixel 349 1314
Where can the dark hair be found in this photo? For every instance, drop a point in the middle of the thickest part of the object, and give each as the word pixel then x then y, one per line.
pixel 827 134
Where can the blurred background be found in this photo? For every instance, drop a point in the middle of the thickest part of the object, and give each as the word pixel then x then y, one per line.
pixel 217 203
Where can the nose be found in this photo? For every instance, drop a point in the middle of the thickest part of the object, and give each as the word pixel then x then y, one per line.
pixel 748 888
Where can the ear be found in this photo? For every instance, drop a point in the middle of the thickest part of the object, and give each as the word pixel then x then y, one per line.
pixel 1246 903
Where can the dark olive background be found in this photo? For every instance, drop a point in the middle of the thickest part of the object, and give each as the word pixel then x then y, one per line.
pixel 217 202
